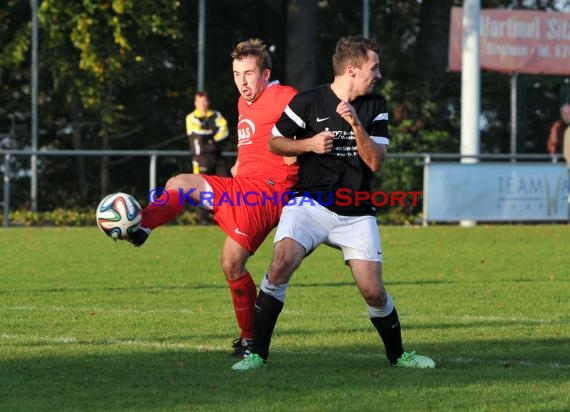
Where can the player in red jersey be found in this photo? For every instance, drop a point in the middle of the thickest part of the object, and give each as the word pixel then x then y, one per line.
pixel 246 206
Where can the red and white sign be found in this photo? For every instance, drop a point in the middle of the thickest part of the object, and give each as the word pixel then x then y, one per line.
pixel 516 41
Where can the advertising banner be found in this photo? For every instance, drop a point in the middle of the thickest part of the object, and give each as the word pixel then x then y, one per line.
pixel 496 192
pixel 516 41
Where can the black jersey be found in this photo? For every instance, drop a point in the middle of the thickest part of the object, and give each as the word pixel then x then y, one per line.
pixel 329 178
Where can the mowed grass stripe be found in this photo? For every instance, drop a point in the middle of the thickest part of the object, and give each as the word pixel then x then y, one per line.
pixel 70 340
pixel 89 324
pixel 411 319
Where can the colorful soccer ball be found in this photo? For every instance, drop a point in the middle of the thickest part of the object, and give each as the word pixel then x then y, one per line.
pixel 118 215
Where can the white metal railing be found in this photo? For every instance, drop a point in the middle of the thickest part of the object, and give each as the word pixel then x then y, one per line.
pixel 153 156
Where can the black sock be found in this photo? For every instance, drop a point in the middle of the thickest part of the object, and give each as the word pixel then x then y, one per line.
pixel 391 334
pixel 267 310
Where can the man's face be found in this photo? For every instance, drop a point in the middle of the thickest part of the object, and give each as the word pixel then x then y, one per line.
pixel 249 79
pixel 367 74
pixel 201 103
pixel 565 113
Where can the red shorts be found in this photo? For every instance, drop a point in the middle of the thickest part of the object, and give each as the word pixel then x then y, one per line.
pixel 246 209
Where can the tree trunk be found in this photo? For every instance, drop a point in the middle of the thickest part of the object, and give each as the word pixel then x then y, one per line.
pixel 301 67
pixel 433 39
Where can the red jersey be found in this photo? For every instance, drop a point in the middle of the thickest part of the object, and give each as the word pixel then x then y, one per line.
pixel 255 122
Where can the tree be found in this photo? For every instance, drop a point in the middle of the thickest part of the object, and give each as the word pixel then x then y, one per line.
pixel 95 50
pixel 301 38
pixel 123 73
pixel 433 39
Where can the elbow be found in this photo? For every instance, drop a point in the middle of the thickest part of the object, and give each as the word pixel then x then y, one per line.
pixel 375 166
pixel 272 148
pixel 378 161
pixel 278 146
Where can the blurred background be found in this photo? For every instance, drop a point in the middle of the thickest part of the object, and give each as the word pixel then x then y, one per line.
pixel 121 74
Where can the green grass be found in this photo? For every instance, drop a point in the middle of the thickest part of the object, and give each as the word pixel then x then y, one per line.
pixel 91 325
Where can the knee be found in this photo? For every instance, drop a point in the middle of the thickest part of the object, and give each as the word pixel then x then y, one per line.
pixel 280 270
pixel 287 256
pixel 374 296
pixel 173 183
pixel 233 269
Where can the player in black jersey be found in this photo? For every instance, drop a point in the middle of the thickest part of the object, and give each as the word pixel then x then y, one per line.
pixel 339 134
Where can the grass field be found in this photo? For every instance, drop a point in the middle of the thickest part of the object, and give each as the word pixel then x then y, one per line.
pixel 91 325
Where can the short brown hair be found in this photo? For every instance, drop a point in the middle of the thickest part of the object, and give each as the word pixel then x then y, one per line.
pixel 352 50
pixel 255 48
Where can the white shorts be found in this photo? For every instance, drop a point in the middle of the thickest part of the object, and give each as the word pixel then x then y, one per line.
pixel 311 224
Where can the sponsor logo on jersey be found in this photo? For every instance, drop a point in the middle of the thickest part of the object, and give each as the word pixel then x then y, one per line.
pixel 245 131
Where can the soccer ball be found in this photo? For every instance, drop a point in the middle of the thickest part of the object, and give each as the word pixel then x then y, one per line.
pixel 119 215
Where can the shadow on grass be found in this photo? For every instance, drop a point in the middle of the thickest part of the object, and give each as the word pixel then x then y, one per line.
pixel 93 289
pixel 218 284
pixel 222 285
pixel 91 377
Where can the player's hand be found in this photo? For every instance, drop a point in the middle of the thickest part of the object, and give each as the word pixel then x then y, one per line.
pixel 347 112
pixel 322 143
pixel 289 160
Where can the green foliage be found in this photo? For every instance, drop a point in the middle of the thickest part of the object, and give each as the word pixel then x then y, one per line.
pixel 414 130
pixel 77 217
pixel 14 74
pixel 14 35
pixel 121 74
pixel 105 41
pixel 15 52
pixel 74 217
pixel 55 217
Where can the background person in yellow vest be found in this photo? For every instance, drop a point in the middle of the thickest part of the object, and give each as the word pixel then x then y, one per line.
pixel 206 129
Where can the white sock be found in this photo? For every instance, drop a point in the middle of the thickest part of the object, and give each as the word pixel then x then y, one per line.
pixel 384 310
pixel 277 291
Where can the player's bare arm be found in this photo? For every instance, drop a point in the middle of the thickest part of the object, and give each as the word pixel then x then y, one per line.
pixel 234 168
pixel 320 143
pixel 372 153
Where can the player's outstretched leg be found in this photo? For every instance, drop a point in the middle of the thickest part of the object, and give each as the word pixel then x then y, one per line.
pixel 165 208
pixel 138 237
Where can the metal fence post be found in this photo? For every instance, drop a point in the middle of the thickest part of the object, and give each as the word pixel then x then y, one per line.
pixel 427 160
pixel 152 173
pixel 6 213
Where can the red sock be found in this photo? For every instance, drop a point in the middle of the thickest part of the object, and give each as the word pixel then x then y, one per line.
pixel 244 294
pixel 162 210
